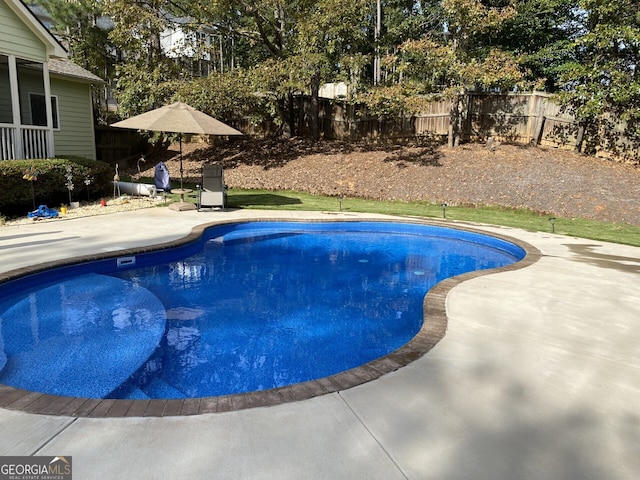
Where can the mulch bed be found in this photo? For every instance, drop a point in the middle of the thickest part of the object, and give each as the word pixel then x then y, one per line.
pixel 546 180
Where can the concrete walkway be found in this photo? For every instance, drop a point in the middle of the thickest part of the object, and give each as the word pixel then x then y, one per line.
pixel 538 377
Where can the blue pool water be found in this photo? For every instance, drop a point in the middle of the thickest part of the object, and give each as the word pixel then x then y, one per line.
pixel 250 306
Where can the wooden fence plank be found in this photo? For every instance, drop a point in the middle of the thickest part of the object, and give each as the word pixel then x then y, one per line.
pixel 531 117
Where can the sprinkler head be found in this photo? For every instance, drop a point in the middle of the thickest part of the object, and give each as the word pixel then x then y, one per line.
pixel 553 224
pixel 444 209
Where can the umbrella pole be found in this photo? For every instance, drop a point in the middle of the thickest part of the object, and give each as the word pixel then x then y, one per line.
pixel 180 141
pixel 182 205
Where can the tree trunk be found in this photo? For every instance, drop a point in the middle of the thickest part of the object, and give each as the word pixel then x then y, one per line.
pixel 458 131
pixel 285 113
pixel 315 108
pixel 454 122
pixel 579 138
pixel 292 115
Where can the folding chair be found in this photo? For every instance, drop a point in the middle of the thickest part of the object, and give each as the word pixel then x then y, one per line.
pixel 212 192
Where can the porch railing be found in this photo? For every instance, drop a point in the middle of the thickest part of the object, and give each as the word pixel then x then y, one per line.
pixel 7 143
pixel 34 142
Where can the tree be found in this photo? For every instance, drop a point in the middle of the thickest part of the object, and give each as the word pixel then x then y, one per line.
pixel 84 30
pixel 601 86
pixel 296 45
pixel 224 95
pixel 145 72
pixel 451 60
pixel 78 24
pixel 279 50
pixel 326 40
pixel 539 33
pixel 143 88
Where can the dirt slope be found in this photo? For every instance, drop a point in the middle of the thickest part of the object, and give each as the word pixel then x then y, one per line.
pixel 543 179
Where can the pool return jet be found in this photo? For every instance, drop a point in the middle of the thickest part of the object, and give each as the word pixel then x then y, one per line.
pixel 178 118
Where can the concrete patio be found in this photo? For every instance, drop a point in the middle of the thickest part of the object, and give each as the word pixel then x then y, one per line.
pixel 537 377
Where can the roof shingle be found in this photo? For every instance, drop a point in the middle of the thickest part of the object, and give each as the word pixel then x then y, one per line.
pixel 67 68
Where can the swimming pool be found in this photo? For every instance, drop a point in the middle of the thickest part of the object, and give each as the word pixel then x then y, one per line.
pixel 250 306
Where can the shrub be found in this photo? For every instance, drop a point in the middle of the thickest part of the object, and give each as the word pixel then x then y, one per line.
pixel 51 186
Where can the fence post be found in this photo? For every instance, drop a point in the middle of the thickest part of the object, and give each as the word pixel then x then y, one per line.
pixel 539 119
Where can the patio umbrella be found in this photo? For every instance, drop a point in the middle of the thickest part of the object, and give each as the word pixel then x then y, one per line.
pixel 178 118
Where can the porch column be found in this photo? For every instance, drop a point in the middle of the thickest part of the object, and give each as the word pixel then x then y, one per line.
pixel 47 103
pixel 15 106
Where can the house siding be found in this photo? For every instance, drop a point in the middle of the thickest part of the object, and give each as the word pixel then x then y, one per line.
pixel 76 134
pixel 17 39
pixel 24 42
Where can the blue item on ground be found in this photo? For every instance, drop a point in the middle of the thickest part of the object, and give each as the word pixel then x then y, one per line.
pixel 162 179
pixel 43 212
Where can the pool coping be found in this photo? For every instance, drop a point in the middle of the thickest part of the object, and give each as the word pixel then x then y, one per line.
pixel 433 330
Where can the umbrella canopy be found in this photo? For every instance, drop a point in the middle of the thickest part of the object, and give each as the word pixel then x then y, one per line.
pixel 177 118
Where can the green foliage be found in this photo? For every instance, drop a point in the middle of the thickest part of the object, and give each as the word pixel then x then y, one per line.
pixel 286 46
pixel 392 101
pixel 448 64
pixel 430 62
pixel 143 89
pixel 327 28
pixel 601 84
pixel 539 33
pixel 587 50
pixel 138 26
pixel 76 23
pixel 145 74
pixel 50 187
pixel 278 77
pixel 498 70
pixel 459 62
pixel 222 95
pixel 467 20
pixel 409 20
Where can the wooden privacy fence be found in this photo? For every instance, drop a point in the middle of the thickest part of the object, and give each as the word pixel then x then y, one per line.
pixel 118 144
pixel 513 117
pixel 516 117
pixel 529 118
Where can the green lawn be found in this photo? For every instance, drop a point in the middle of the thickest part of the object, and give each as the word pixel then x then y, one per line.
pixel 510 217
pixel 518 218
